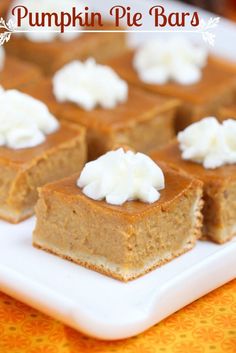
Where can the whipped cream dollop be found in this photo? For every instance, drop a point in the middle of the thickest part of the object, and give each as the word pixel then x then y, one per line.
pixel 2 58
pixel 89 84
pixel 46 34
pixel 209 142
pixel 177 59
pixel 120 176
pixel 24 120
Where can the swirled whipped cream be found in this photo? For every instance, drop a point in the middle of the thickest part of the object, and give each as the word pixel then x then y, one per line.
pixel 209 143
pixel 120 176
pixel 2 58
pixel 89 84
pixel 24 120
pixel 45 33
pixel 177 59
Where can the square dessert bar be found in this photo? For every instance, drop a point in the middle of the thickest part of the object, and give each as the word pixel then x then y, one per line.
pixel 216 88
pixel 51 56
pixel 17 73
pixel 23 170
pixel 144 122
pixel 219 192
pixel 125 241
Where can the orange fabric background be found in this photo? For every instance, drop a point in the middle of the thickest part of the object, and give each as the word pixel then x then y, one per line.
pixel 208 325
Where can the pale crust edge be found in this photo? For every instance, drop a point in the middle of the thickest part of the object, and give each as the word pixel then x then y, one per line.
pixel 108 272
pixel 15 219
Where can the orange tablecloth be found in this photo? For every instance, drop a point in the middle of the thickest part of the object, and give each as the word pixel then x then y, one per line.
pixel 207 325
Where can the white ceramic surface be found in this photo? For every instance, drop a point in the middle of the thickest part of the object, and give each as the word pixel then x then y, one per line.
pixel 98 305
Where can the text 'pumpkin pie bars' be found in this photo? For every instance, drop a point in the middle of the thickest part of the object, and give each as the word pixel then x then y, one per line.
pixel 113 112
pixel 15 73
pixel 52 50
pixel 206 150
pixel 34 149
pixel 121 216
pixel 176 68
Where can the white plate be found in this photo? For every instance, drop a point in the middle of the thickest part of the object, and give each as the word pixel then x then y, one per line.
pixel 98 305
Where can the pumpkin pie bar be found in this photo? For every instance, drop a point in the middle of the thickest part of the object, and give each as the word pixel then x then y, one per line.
pixel 34 149
pixel 219 192
pixel 122 241
pixel 24 170
pixel 216 88
pixel 17 73
pixel 144 122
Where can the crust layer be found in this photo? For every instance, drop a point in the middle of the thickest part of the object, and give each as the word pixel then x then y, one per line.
pixel 125 277
pixel 13 217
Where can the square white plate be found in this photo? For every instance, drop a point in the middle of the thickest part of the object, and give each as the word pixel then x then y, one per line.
pixel 98 305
